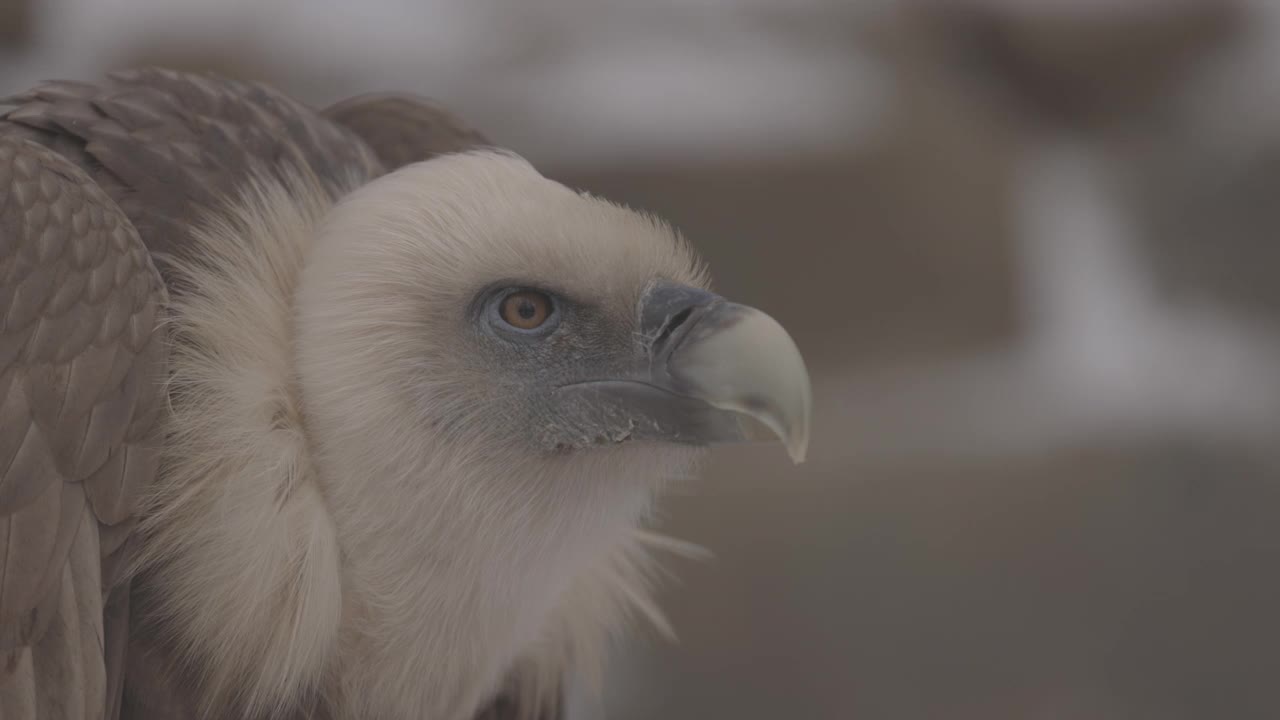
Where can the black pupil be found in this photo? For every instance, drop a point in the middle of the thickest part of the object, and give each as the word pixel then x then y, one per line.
pixel 526 309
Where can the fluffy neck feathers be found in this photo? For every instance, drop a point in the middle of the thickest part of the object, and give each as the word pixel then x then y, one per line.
pixel 300 554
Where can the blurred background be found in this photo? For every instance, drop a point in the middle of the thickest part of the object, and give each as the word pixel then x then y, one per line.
pixel 1030 250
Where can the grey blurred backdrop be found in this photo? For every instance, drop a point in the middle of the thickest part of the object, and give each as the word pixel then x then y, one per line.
pixel 1030 250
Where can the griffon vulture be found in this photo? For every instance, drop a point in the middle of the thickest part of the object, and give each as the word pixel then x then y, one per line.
pixel 333 414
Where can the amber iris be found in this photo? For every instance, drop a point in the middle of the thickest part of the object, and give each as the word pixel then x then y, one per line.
pixel 526 310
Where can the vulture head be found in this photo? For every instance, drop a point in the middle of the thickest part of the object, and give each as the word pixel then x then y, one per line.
pixel 451 396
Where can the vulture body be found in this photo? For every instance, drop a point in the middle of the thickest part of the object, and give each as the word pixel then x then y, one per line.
pixel 334 414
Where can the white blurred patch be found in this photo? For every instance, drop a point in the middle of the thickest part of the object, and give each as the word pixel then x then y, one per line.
pixel 1104 360
pixel 567 80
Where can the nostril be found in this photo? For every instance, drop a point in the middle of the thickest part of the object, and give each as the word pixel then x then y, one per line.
pixel 672 325
pixel 668 311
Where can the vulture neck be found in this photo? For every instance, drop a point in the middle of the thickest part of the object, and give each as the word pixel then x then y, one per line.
pixel 303 552
pixel 449 599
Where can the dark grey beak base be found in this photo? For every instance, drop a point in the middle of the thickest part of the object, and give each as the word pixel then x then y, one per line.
pixel 693 383
pixel 668 315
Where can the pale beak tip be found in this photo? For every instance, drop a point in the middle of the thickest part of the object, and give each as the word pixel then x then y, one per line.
pixel 798 450
pixel 797 438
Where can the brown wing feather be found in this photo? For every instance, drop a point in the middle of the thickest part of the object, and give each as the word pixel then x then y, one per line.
pixel 169 146
pixel 81 370
pixel 403 128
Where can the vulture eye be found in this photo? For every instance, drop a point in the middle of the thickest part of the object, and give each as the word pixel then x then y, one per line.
pixel 526 310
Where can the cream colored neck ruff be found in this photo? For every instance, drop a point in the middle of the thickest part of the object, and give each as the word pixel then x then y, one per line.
pixel 418 600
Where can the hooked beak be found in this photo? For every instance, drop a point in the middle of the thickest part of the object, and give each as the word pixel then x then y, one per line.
pixel 711 372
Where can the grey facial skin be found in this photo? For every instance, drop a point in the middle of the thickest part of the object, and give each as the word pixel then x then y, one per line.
pixel 708 372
